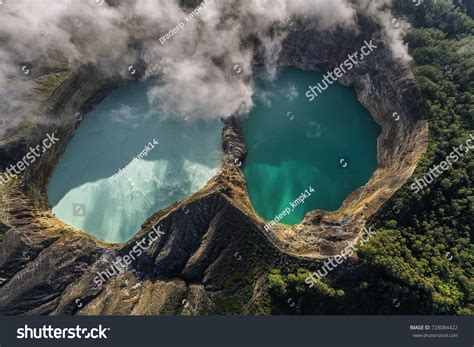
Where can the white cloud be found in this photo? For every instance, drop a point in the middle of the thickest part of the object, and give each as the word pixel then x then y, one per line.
pixel 195 66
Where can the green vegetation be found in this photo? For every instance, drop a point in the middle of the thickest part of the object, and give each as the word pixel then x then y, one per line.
pixel 421 259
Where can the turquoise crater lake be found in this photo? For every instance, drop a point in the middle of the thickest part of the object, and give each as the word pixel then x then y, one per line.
pixel 329 144
pixel 101 189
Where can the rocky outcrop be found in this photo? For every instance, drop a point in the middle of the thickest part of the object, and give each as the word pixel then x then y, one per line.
pixel 212 251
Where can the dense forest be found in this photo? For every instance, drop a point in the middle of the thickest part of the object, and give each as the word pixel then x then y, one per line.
pixel 421 259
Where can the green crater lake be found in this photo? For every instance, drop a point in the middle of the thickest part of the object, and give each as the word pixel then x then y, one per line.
pixel 328 144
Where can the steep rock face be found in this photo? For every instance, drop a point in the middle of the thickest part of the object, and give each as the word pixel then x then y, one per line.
pixel 212 246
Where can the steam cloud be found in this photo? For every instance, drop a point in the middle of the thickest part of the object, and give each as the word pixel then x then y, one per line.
pixel 197 67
